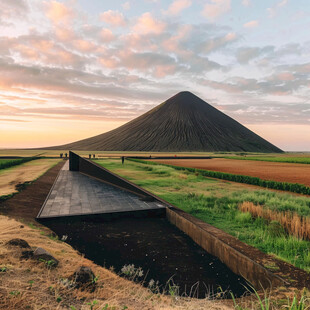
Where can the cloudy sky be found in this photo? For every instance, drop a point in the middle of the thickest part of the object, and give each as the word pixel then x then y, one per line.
pixel 77 68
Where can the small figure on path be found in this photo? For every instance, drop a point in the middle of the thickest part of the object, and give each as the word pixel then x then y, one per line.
pixel 89 156
pixel 123 159
pixel 66 155
pixel 94 155
pixel 61 155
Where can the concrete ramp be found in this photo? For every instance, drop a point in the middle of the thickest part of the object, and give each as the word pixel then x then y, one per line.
pixel 74 193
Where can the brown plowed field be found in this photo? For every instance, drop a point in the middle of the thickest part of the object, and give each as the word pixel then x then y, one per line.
pixel 282 172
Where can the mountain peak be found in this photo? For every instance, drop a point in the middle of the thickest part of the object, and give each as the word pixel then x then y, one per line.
pixel 183 95
pixel 182 123
pixel 184 99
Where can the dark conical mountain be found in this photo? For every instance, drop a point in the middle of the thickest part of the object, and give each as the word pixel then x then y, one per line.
pixel 182 123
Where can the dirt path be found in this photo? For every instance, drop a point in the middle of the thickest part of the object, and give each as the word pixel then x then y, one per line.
pixel 20 174
pixel 26 204
pixel 282 172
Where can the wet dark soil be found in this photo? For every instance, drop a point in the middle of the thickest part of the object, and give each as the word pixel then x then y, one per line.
pixel 164 253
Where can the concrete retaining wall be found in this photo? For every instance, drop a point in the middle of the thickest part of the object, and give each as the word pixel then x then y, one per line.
pixel 90 168
pixel 204 235
pixel 74 161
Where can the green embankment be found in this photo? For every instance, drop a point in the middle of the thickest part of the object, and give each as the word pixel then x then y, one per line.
pixel 216 202
pixel 7 163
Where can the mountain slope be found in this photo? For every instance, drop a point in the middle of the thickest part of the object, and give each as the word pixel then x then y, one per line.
pixel 182 123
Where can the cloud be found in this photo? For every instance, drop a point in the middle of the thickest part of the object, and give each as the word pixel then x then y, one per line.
pixel 64 34
pixel 284 76
pixel 251 24
pixel 42 49
pixel 58 12
pixel 13 120
pixel 109 62
pixel 215 8
pixel 147 24
pixel 13 8
pixel 177 42
pixel 215 43
pixel 282 3
pixel 261 101
pixel 245 54
pixel 83 45
pixel 60 81
pixel 126 5
pixel 107 35
pixel 113 18
pixel 269 55
pixel 246 2
pixel 272 11
pixel 153 63
pixel 282 81
pixel 203 64
pixel 177 7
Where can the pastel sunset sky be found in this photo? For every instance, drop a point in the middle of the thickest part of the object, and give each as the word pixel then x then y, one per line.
pixel 74 69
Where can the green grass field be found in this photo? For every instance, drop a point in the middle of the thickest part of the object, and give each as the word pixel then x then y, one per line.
pixel 4 161
pixel 216 202
pixel 283 159
pixel 7 163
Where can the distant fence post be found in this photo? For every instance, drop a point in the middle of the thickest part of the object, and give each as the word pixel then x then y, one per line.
pixel 74 162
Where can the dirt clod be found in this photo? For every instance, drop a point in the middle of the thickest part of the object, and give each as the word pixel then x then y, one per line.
pixel 19 242
pixel 84 278
pixel 27 254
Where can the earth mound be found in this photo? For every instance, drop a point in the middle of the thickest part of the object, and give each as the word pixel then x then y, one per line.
pixel 182 123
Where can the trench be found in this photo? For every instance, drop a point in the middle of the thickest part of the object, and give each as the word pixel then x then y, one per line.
pixel 164 253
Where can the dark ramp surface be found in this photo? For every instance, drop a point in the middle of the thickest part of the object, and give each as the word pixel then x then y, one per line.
pixel 182 123
pixel 153 244
pixel 74 193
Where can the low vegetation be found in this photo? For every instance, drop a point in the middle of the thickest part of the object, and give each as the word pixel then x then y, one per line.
pixel 7 163
pixel 218 203
pixel 292 222
pixel 286 159
pixel 284 186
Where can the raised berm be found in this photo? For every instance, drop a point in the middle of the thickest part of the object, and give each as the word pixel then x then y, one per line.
pixel 182 123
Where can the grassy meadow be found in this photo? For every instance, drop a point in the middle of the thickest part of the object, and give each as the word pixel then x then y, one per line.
pixel 283 159
pixel 221 203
